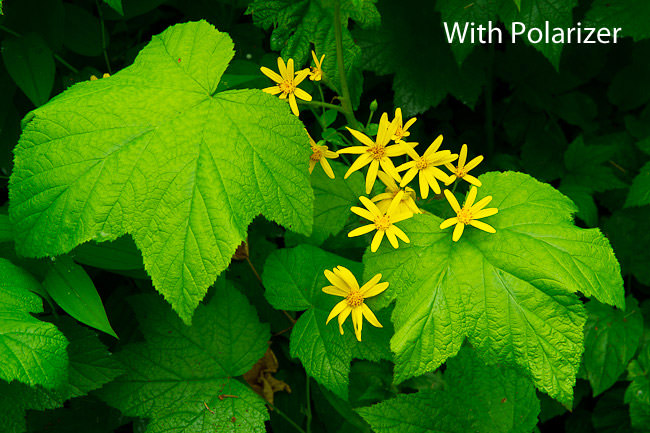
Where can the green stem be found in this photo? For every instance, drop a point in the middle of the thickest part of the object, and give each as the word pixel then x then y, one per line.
pixel 308 412
pixel 56 56
pixel 101 22
pixel 345 97
pixel 322 96
pixel 286 417
pixel 321 104
pixel 369 119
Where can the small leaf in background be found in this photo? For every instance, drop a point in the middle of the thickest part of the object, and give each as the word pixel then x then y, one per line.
pixel 632 16
pixel 116 5
pixel 90 366
pixel 30 63
pixel 477 398
pixel 193 371
pixel 70 286
pixel 119 255
pixel 32 351
pixel 611 339
pixel 293 279
pixel 639 194
pixel 627 229
pixel 83 31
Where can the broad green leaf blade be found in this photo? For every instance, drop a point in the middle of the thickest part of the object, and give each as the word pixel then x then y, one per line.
pixel 611 339
pixel 91 366
pixel 477 398
pixel 32 352
pixel 187 368
pixel 637 394
pixel 30 63
pixel 118 255
pixel 510 293
pixel 294 280
pixel 6 232
pixel 83 32
pixel 588 167
pixel 639 194
pixel 71 287
pixel 629 15
pixel 180 169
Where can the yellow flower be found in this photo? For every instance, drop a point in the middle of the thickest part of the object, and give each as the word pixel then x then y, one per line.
pixel 320 153
pixel 376 152
pixel 402 130
pixel 316 73
pixel 425 165
pixel 345 284
pixel 469 213
pixel 461 171
pixel 406 206
pixel 287 83
pixel 383 222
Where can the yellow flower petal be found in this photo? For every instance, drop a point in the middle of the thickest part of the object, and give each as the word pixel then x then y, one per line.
pixel 369 285
pixel 327 168
pixel 344 315
pixel 273 90
pixel 336 281
pixel 458 231
pixel 482 226
pixel 372 175
pixel 400 234
pixel 357 321
pixel 448 223
pixel 361 162
pixel 364 213
pixel 471 196
pixel 376 241
pixel 302 94
pixel 371 206
pixel 361 137
pixel 375 290
pixel 336 310
pixel 347 276
pixel 462 156
pixel 360 231
pixel 271 74
pixel 293 105
pixel 483 213
pixel 452 201
pixel 333 290
pixel 370 316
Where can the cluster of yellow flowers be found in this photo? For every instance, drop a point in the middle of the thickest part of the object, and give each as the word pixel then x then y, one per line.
pixel 396 203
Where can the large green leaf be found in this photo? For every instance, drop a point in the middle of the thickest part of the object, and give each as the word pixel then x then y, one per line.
pixel 183 378
pixel 91 366
pixel 477 398
pixel 293 279
pixel 32 351
pixel 512 293
pixel 637 394
pixel 639 194
pixel 611 339
pixel 154 152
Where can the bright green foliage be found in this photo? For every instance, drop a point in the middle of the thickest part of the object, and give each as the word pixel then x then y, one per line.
pixel 90 367
pixel 6 233
pixel 631 16
pixel 639 194
pixel 424 67
pixel 611 339
pixel 333 199
pixel 178 370
pixel 185 176
pixel 299 24
pixel 31 65
pixel 477 398
pixel 293 279
pixel 71 287
pixel 512 293
pixel 535 13
pixel 32 351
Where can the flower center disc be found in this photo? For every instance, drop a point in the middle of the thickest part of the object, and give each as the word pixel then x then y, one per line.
pixel 377 152
pixel 422 163
pixel 464 216
pixel 316 155
pixel 287 86
pixel 355 299
pixel 382 223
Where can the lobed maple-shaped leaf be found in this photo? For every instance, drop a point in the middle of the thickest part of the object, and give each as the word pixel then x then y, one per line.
pixel 294 280
pixel 511 294
pixel 32 351
pixel 153 151
pixel 184 378
pixel 476 398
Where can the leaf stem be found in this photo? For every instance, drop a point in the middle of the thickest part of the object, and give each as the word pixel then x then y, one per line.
pixel 55 55
pixel 321 104
pixel 345 97
pixel 285 416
